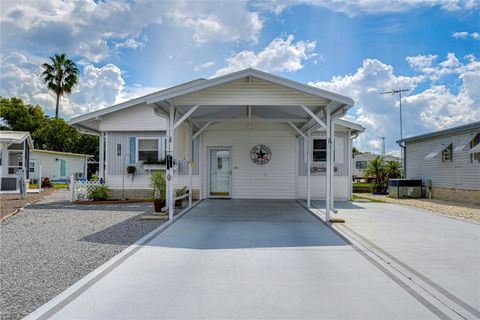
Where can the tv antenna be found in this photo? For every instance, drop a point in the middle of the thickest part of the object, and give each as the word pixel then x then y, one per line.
pixel 399 92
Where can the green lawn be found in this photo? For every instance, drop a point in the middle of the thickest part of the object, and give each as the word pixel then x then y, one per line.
pixel 355 197
pixel 365 185
pixel 55 185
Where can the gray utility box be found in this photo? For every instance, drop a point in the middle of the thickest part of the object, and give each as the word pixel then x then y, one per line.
pixel 405 188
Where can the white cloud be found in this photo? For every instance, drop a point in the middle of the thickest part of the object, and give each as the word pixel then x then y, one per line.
pixel 95 29
pixel 424 64
pixel 460 35
pixel 434 108
pixel 355 8
pixel 282 54
pixel 205 65
pixel 465 35
pixel 98 86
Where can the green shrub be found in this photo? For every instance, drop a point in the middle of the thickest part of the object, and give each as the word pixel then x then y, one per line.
pixel 159 184
pixel 98 193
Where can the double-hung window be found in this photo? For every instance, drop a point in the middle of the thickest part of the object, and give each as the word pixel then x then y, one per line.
pixel 319 150
pixel 475 156
pixel 148 149
pixel 447 153
pixel 361 165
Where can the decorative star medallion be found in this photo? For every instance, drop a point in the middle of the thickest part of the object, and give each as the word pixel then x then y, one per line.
pixel 260 154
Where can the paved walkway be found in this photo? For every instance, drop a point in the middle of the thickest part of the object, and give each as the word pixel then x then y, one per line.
pixel 441 253
pixel 244 259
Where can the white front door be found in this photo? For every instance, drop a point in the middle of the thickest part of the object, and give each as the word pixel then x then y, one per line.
pixel 220 173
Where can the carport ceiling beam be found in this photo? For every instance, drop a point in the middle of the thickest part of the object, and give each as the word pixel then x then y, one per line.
pixel 298 130
pixel 255 120
pixel 201 129
pixel 314 117
pixel 185 116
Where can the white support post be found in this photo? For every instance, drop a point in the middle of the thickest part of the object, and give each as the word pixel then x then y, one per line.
pixel 101 159
pixel 329 164
pixel 190 182
pixel 72 188
pixel 40 177
pixel 171 203
pixel 309 165
pixel 350 157
pixel 332 164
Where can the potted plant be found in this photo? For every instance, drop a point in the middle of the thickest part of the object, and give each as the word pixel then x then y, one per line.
pixel 131 169
pixel 159 184
pixel 178 193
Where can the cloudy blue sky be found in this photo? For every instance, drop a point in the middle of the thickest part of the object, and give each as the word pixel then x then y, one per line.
pixel 127 49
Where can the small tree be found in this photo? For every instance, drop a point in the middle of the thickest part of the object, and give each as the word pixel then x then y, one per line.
pixel 376 168
pixel 393 170
pixel 60 76
pixel 355 152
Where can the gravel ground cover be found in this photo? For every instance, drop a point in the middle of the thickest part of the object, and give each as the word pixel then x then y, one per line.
pixel 9 203
pixel 465 211
pixel 50 245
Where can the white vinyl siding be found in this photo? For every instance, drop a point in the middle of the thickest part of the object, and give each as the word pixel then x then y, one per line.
pixel 458 173
pixel 255 92
pixel 114 138
pixel 341 154
pixel 273 180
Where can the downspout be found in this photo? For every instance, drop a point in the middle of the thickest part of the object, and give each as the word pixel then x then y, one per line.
pixel 404 160
pixel 350 153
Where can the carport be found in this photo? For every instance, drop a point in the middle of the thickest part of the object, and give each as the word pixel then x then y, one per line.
pixel 238 259
pixel 251 97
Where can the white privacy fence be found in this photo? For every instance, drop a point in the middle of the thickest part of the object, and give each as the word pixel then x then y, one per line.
pixel 80 188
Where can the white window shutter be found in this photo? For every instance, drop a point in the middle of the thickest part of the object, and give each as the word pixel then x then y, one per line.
pixel 338 150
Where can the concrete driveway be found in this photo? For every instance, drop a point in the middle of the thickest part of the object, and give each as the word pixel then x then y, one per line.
pixel 244 259
pixel 440 253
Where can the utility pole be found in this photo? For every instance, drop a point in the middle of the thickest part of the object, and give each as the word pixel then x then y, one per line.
pixel 399 92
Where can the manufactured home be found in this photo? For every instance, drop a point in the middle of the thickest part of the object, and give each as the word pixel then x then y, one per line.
pixel 57 166
pixel 15 149
pixel 448 161
pixel 248 134
pixel 359 163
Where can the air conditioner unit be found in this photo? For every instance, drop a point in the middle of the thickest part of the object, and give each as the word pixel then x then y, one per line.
pixel 405 188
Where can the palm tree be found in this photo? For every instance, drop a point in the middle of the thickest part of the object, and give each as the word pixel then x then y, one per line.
pixel 393 169
pixel 60 76
pixel 355 151
pixel 376 168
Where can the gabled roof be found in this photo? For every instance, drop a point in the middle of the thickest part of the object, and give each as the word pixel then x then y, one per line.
pixel 16 137
pixel 446 132
pixel 201 84
pixel 62 153
pixel 354 126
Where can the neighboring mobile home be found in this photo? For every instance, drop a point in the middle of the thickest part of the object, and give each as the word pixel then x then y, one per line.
pixel 57 166
pixel 15 149
pixel 359 163
pixel 449 160
pixel 248 134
